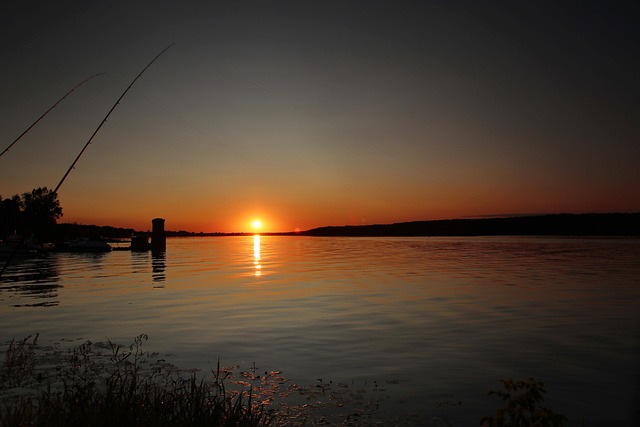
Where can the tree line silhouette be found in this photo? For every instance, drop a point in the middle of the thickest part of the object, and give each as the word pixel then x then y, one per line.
pixel 32 213
pixel 35 213
pixel 610 224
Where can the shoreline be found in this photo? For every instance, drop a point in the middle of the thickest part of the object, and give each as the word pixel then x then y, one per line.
pixel 573 225
pixel 605 225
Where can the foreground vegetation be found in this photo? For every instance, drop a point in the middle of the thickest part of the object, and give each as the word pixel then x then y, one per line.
pixel 523 402
pixel 108 384
pixel 119 386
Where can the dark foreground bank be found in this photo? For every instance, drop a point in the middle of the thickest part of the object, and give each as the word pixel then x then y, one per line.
pixel 107 384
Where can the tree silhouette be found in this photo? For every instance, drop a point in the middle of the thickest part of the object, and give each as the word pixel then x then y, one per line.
pixel 9 214
pixel 39 210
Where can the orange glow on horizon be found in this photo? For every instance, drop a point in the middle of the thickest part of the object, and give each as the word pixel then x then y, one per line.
pixel 209 217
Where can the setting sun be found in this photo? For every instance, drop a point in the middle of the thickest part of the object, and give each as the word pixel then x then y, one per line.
pixel 257 224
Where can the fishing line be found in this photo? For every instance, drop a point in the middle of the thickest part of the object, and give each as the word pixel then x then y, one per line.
pixel 168 109
pixel 55 191
pixel 105 119
pixel 47 112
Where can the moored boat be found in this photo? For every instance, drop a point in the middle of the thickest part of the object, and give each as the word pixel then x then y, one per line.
pixel 19 247
pixel 85 244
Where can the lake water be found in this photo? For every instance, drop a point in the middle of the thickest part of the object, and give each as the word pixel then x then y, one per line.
pixel 431 323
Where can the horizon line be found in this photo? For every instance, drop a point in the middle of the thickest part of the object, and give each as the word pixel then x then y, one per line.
pixel 462 218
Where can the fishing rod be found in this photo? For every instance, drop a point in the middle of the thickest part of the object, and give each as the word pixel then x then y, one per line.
pixel 106 117
pixel 47 112
pixel 55 191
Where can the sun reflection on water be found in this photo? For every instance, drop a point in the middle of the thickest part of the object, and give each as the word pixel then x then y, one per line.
pixel 256 255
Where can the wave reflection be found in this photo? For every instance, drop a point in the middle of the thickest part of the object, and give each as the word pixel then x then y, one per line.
pixel 256 255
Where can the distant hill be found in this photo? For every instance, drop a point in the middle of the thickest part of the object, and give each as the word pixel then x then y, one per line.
pixel 614 224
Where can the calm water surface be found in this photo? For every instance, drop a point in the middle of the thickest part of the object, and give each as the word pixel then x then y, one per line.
pixel 437 320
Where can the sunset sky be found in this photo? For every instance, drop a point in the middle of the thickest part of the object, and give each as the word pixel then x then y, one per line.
pixel 311 113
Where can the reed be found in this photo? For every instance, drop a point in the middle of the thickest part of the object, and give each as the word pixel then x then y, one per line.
pixel 109 384
pixel 19 362
pixel 523 406
pixel 124 386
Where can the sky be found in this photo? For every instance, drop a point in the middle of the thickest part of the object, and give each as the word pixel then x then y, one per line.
pixel 311 113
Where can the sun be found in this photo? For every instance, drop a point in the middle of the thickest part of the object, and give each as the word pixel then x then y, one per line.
pixel 257 224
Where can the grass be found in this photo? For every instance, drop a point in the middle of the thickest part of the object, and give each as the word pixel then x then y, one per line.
pixel 123 385
pixel 523 406
pixel 19 362
pixel 108 384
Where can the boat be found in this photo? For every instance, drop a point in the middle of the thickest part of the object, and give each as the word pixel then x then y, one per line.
pixel 85 244
pixel 19 247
